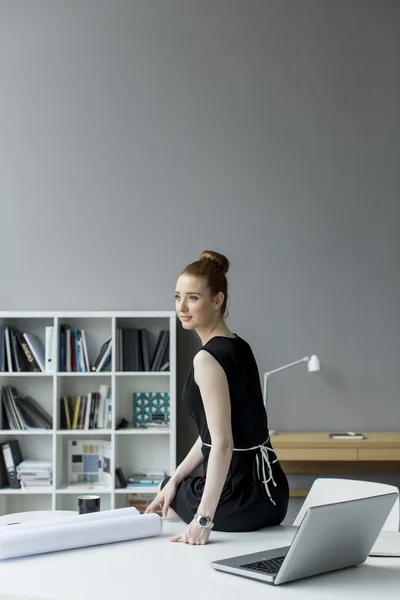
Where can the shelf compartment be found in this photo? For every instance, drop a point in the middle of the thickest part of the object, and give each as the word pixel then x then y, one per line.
pixel 153 326
pixel 126 386
pixel 139 500
pixel 136 454
pixel 62 454
pixel 36 326
pixel 39 388
pixel 78 386
pixel 97 331
pixel 36 447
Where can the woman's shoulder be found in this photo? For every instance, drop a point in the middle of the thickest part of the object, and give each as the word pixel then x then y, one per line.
pixel 226 350
pixel 223 339
pixel 227 343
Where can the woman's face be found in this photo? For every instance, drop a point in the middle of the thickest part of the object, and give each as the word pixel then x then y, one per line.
pixel 193 302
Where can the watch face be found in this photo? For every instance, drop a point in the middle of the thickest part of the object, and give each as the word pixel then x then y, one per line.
pixel 203 521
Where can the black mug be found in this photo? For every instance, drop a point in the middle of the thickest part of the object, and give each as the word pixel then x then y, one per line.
pixel 88 504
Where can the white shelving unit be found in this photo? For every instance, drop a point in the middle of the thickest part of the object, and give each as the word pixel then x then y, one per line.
pixel 131 448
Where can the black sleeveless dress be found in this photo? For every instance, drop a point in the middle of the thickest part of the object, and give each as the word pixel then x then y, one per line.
pixel 256 491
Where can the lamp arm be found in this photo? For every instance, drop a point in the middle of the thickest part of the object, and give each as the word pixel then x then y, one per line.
pixel 266 375
pixel 296 362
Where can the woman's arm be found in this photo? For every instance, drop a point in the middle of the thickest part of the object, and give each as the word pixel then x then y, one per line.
pixel 164 497
pixel 193 459
pixel 214 389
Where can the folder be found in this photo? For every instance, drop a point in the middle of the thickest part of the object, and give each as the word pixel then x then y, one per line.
pixel 50 347
pixel 12 457
pixel 3 473
pixel 3 356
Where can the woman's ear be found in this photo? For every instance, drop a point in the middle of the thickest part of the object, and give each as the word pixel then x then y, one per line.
pixel 218 301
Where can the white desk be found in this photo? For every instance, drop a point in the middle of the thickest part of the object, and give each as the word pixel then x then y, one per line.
pixel 34 515
pixel 155 569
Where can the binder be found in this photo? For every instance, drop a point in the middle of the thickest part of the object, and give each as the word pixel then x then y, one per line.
pixel 3 356
pixel 144 344
pixel 3 473
pixel 160 351
pixel 12 457
pixel 8 350
pixel 50 346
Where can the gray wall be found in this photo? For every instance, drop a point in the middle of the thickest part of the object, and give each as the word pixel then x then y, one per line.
pixel 136 134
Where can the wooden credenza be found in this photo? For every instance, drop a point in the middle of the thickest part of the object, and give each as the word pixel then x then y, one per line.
pixel 316 453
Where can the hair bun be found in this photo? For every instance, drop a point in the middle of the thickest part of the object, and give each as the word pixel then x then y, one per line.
pixel 219 260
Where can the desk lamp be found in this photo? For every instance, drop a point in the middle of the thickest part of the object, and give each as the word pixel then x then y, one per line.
pixel 313 365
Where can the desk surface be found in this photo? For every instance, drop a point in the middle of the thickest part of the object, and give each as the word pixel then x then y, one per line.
pixel 313 453
pixel 154 568
pixel 320 439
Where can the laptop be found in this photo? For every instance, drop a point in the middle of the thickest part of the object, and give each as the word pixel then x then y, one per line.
pixel 330 537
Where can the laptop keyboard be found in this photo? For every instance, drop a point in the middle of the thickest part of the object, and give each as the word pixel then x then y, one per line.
pixel 265 566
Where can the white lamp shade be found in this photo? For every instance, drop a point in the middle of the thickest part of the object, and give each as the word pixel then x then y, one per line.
pixel 314 364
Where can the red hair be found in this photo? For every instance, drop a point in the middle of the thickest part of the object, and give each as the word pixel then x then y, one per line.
pixel 213 267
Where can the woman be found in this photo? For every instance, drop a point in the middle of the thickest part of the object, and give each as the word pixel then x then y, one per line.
pixel 243 487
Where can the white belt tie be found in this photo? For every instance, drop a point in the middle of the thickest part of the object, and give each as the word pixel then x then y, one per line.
pixel 265 462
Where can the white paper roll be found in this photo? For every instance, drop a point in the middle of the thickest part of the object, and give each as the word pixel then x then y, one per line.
pixel 117 513
pixel 15 543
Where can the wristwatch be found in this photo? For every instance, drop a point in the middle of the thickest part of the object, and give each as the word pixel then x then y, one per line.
pixel 204 521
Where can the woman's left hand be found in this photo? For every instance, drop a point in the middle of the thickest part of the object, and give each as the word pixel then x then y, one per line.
pixel 194 534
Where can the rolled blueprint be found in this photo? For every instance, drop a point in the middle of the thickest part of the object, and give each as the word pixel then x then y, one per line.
pixel 117 513
pixel 14 543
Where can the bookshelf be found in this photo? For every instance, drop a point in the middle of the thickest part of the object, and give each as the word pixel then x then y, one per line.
pixel 131 448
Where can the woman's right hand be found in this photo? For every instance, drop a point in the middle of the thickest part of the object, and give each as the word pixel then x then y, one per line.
pixel 163 498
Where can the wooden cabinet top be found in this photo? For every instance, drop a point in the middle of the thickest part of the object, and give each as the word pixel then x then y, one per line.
pixel 282 440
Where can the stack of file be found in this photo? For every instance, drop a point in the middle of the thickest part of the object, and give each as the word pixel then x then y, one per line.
pixel 35 473
pixel 145 478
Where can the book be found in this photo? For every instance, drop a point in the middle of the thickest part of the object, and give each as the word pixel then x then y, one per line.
pixel 160 350
pixel 29 361
pixel 17 357
pixel 142 483
pixel 144 344
pixel 120 477
pixel 386 554
pixel 387 545
pixel 347 435
pixel 89 462
pixel 37 349
pixel 103 356
pixel 29 414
